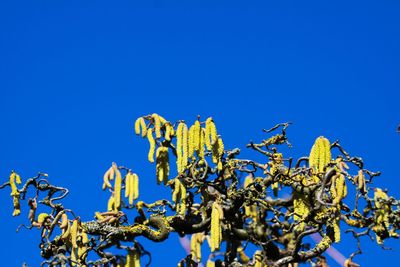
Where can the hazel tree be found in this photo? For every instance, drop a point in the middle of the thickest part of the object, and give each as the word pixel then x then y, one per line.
pixel 219 198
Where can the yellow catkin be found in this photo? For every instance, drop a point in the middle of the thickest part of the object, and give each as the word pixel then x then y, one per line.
pixel 152 143
pixel 129 261
pixel 14 178
pixel 140 127
pixel 66 232
pixel 218 152
pixel 169 131
pixel 379 195
pixel 137 125
pixel 110 203
pixel 117 188
pixel 185 147
pixel 64 221
pixel 195 246
pixel 16 205
pixel 127 183
pixel 336 230
pixel 74 233
pixel 136 259
pixel 162 166
pixel 320 154
pixel 82 247
pixel 166 167
pixel 326 158
pixel 338 188
pixel 333 189
pixel 179 196
pixel 221 147
pixel 182 205
pixel 134 191
pixel 108 175
pixel 191 144
pixel 361 182
pixel 74 256
pixel 182 147
pixel 196 135
pixel 202 138
pixel 214 151
pixel 159 173
pixel 179 141
pixel 200 240
pixel 159 165
pixel 157 124
pixel 211 133
pixel 216 233
pixel 221 150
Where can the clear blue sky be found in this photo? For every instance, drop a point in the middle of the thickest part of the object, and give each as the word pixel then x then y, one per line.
pixel 74 75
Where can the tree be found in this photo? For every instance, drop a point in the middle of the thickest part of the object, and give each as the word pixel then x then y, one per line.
pixel 220 197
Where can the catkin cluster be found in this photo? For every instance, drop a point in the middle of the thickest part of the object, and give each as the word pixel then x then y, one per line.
pixel 196 140
pixel 190 142
pixel 320 156
pixel 131 187
pixel 73 235
pixel 214 142
pixel 159 124
pixel 80 242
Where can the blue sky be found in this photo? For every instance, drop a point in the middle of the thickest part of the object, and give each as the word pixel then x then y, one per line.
pixel 75 75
